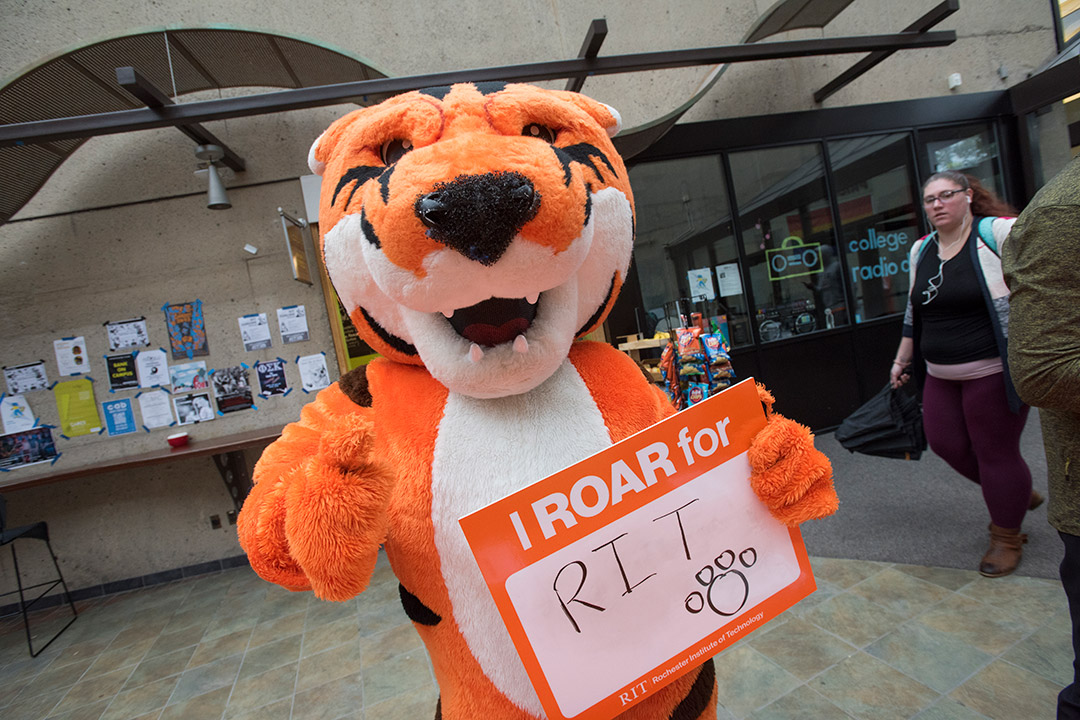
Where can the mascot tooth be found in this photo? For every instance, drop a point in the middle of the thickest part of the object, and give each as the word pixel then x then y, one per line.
pixel 474 233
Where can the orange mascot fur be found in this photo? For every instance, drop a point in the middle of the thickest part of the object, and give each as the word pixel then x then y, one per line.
pixel 474 233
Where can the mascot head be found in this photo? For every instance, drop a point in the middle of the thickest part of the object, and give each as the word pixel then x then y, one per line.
pixel 476 230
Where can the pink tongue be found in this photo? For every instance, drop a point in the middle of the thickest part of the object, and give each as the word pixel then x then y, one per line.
pixel 490 336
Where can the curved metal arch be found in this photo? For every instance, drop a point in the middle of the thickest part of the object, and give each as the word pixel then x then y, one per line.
pixel 175 60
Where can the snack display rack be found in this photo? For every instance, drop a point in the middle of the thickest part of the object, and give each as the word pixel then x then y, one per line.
pixel 695 362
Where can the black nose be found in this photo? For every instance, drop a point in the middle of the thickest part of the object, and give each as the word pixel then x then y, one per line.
pixel 479 215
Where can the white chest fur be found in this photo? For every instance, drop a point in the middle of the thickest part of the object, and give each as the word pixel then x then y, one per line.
pixel 487 449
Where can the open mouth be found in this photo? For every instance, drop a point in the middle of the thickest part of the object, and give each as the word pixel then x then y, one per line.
pixel 495 321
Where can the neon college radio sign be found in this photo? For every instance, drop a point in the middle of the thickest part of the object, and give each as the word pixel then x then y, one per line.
pixel 884 267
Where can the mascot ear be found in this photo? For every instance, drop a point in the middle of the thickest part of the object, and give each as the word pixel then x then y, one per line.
pixel 316 165
pixel 607 116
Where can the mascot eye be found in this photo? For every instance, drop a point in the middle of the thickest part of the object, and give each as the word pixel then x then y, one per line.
pixel 537 130
pixel 393 150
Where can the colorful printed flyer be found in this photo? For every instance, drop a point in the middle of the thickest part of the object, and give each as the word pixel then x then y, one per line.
pixel 71 356
pixel 231 389
pixel 16 413
pixel 28 447
pixel 629 569
pixel 127 334
pixel 292 322
pixel 313 372
pixel 77 407
pixel 189 376
pixel 272 380
pixel 155 408
pixel 152 367
pixel 187 331
pixel 255 331
pixel 119 416
pixel 193 408
pixel 122 374
pixel 25 378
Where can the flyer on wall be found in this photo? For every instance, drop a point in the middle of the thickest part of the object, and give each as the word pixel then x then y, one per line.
pixel 155 408
pixel 26 377
pixel 77 408
pixel 122 375
pixel 28 447
pixel 16 413
pixel 255 331
pixel 119 416
pixel 152 367
pixel 313 372
pixel 189 376
pixel 187 330
pixel 272 380
pixel 292 322
pixel 71 356
pixel 127 334
pixel 231 389
pixel 193 408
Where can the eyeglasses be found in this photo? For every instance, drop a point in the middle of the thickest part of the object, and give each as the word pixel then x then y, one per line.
pixel 943 196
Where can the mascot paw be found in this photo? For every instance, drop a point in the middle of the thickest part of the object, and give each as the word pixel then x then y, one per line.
pixel 788 474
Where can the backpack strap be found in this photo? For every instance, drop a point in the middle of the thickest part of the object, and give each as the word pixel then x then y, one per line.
pixel 925 240
pixel 986 232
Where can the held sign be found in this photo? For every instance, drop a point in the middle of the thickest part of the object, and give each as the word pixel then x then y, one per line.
pixel 629 569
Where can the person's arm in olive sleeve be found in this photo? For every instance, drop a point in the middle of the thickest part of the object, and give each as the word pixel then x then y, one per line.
pixel 1042 269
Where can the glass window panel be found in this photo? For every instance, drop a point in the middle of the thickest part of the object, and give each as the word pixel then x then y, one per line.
pixel 970 149
pixel 787 231
pixel 878 219
pixel 684 234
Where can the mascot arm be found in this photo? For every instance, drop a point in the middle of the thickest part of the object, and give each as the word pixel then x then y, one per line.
pixel 788 474
pixel 317 512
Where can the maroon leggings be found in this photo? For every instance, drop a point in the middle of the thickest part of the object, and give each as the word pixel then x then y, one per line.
pixel 970 426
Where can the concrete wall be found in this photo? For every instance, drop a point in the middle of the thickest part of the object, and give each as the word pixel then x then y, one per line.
pixel 122 228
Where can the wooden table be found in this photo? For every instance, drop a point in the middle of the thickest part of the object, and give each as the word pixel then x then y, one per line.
pixel 228 452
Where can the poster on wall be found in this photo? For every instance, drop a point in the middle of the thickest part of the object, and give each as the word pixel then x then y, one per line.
pixel 152 367
pixel 122 374
pixel 189 376
pixel 292 322
pixel 16 413
pixel 730 281
pixel 77 407
pixel 314 374
pixel 155 408
pixel 71 356
pixel 187 330
pixel 119 416
pixel 255 331
pixel 272 380
pixel 231 389
pixel 193 408
pixel 701 284
pixel 27 447
pixel 127 334
pixel 26 377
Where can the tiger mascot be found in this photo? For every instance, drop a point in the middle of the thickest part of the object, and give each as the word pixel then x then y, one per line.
pixel 474 233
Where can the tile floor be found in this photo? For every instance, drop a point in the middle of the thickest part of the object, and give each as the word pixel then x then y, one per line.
pixel 876 641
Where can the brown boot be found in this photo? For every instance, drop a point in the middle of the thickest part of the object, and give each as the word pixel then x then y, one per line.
pixel 1006 547
pixel 1036 500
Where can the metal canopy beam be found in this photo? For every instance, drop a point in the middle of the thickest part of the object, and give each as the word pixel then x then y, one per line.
pixel 921 25
pixel 188 113
pixel 589 49
pixel 145 91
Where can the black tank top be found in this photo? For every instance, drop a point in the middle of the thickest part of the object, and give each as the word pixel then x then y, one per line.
pixel 956 326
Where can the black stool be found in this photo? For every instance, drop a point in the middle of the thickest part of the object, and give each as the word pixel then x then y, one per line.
pixel 35 531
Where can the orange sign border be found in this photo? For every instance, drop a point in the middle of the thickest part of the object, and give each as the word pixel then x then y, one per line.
pixel 499 546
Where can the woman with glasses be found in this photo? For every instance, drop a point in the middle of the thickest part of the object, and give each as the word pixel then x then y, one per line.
pixel 954 342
